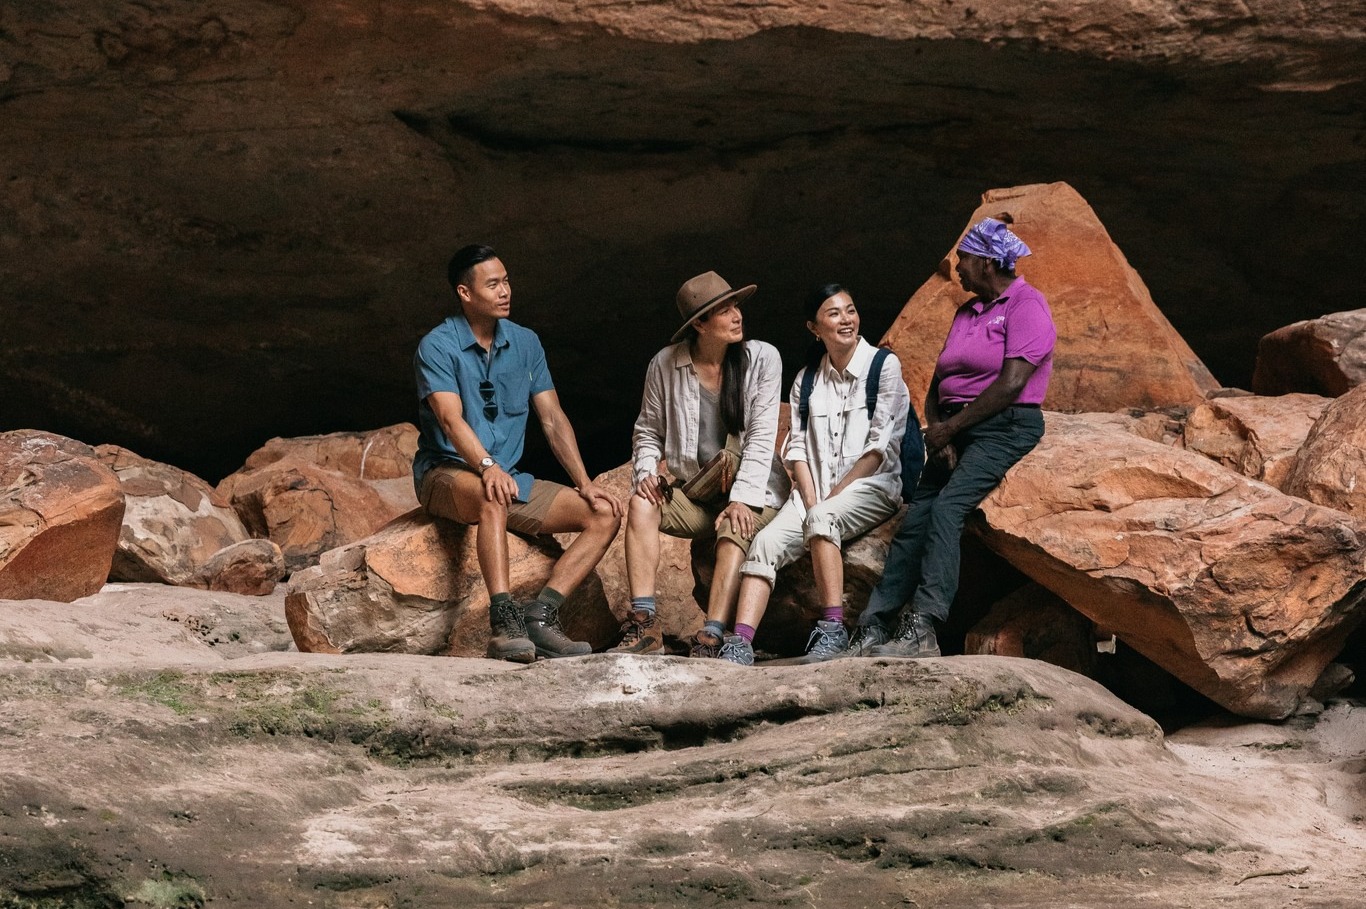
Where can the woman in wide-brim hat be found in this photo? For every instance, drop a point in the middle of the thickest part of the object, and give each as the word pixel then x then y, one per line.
pixel 711 399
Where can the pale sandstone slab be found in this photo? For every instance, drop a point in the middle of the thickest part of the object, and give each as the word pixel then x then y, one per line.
pixel 1243 593
pixel 1323 356
pixel 1115 347
pixel 60 514
pixel 178 530
pixel 415 587
pixel 1330 468
pixel 1256 436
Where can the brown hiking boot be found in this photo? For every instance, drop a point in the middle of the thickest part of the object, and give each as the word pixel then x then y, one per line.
pixel 509 640
pixel 705 645
pixel 640 633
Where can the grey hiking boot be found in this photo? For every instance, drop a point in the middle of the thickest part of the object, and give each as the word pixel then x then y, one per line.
pixel 640 633
pixel 914 638
pixel 543 628
pixel 828 640
pixel 509 640
pixel 705 645
pixel 864 639
pixel 736 649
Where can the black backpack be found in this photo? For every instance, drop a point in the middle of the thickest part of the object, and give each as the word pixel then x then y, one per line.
pixel 912 443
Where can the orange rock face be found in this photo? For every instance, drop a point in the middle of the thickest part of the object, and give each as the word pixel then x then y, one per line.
pixel 314 493
pixel 60 514
pixel 1324 356
pixel 1258 437
pixel 1033 623
pixel 1243 593
pixel 176 529
pixel 415 587
pixel 1115 348
pixel 1330 468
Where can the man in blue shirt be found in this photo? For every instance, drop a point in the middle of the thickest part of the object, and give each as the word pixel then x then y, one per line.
pixel 478 376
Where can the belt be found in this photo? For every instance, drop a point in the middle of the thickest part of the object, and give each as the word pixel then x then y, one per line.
pixel 954 407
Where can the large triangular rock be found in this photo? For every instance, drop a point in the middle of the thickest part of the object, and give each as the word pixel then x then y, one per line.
pixel 60 513
pixel 1115 348
pixel 1240 591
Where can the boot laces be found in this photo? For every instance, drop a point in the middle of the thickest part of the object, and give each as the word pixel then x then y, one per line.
pixel 822 643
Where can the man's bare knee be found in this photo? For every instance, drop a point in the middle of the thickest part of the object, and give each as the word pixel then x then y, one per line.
pixel 493 514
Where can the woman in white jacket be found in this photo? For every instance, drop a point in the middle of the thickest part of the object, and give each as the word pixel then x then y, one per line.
pixel 846 471
pixel 710 396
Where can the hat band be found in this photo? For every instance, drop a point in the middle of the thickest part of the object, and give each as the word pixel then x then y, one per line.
pixel 698 309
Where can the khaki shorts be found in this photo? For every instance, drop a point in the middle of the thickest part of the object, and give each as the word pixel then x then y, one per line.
pixel 682 517
pixel 438 498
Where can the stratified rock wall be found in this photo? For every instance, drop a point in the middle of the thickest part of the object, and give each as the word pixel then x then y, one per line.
pixel 223 221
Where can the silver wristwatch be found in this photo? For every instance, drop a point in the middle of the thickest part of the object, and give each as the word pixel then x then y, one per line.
pixel 485 464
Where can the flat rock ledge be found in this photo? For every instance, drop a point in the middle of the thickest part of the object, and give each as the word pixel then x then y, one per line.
pixel 403 780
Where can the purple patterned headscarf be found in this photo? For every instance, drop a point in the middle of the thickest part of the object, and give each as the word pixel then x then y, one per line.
pixel 992 239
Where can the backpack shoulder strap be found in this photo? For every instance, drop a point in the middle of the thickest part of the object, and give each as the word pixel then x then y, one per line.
pixel 874 376
pixel 804 396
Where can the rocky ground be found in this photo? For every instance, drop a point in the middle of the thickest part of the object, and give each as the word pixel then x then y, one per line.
pixel 160 747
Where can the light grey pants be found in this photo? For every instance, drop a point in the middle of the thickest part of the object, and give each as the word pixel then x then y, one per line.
pixel 857 509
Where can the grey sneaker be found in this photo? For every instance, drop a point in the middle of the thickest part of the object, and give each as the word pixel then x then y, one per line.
pixel 914 638
pixel 736 649
pixel 509 640
pixel 828 640
pixel 864 639
pixel 543 628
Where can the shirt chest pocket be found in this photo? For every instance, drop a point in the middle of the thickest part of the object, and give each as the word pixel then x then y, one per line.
pixel 842 426
pixel 514 391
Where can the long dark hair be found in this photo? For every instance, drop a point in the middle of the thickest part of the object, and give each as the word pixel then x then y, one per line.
pixel 733 366
pixel 812 305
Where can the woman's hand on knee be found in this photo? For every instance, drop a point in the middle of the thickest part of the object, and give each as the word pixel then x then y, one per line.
pixel 652 489
pixel 741 519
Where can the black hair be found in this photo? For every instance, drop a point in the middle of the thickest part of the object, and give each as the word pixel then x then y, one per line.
pixel 464 260
pixel 733 366
pixel 818 295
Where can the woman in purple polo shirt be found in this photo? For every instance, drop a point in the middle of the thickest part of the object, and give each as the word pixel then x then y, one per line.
pixel 983 415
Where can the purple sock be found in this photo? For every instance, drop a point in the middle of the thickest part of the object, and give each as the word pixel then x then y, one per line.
pixel 745 631
pixel 833 614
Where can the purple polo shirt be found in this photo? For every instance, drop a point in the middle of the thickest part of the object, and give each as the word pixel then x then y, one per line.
pixel 983 335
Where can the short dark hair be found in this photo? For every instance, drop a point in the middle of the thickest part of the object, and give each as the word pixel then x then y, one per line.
pixel 464 260
pixel 818 295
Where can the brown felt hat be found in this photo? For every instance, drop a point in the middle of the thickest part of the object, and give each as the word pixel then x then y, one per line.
pixel 703 294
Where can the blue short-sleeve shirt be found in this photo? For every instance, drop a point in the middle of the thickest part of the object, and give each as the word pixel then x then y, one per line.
pixel 495 389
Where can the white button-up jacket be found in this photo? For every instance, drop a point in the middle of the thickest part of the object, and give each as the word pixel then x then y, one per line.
pixel 668 423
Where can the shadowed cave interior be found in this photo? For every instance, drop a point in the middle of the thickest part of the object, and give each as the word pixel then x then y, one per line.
pixel 195 264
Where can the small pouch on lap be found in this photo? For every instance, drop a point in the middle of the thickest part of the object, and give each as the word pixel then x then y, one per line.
pixel 714 480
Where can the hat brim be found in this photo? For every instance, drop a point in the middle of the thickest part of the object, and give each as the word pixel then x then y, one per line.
pixel 739 295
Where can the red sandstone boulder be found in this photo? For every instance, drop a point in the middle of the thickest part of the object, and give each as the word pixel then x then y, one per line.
pixel 178 530
pixel 1115 348
pixel 60 513
pixel 1033 623
pixel 1242 592
pixel 415 587
pixel 314 493
pixel 1323 356
pixel 1330 468
pixel 381 454
pixel 1256 436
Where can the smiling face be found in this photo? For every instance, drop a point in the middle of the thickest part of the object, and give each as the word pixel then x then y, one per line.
pixel 724 324
pixel 487 292
pixel 836 323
